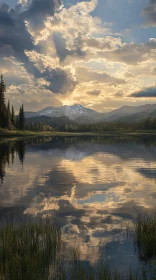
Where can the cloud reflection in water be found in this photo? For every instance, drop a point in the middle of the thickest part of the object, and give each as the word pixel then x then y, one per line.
pixel 87 188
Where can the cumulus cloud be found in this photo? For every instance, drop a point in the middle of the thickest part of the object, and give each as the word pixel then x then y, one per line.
pixel 95 92
pixel 106 43
pixel 33 95
pixel 86 75
pixel 67 53
pixel 132 53
pixel 146 92
pixel 62 49
pixel 75 23
pixel 150 13
pixel 14 37
pixel 39 10
pixel 16 41
pixel 14 71
pixel 61 79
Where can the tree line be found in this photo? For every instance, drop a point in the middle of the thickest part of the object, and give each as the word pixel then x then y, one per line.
pixel 47 124
pixel 8 118
pixel 146 124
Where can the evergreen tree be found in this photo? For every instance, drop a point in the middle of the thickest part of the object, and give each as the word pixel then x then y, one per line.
pixel 21 118
pixel 8 115
pixel 13 118
pixel 3 117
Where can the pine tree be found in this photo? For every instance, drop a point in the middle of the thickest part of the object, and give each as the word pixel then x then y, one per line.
pixel 21 118
pixel 3 117
pixel 8 115
pixel 13 118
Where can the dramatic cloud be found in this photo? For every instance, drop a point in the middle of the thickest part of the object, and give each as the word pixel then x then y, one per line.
pixel 108 43
pixel 62 50
pixel 85 75
pixel 37 12
pixel 52 52
pixel 33 95
pixel 147 92
pixel 16 41
pixel 95 92
pixel 60 81
pixel 132 53
pixel 150 13
pixel 14 36
pixel 38 9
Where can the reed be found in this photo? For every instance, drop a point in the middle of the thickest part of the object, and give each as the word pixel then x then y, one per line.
pixel 34 251
pixel 145 235
pixel 27 251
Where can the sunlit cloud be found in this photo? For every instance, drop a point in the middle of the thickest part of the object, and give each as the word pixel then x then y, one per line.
pixel 68 52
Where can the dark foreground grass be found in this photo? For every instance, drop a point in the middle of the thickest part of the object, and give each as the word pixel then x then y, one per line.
pixel 28 250
pixel 34 251
pixel 145 235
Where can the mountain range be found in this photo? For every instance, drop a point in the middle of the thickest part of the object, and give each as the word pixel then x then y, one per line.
pixel 82 115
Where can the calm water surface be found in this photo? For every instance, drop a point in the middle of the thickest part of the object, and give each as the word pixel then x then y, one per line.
pixel 89 187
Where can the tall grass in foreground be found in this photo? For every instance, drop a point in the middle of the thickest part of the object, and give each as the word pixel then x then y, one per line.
pixel 28 250
pixel 145 235
pixel 34 251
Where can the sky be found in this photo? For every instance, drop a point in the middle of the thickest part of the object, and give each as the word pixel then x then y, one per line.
pixel 98 53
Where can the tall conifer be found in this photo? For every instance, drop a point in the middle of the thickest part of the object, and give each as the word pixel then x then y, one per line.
pixel 21 118
pixel 13 118
pixel 3 115
pixel 8 115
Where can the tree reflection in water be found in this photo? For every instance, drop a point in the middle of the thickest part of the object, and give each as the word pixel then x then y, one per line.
pixel 8 151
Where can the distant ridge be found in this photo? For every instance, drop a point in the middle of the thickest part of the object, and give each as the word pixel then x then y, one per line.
pixel 80 114
pixel 72 112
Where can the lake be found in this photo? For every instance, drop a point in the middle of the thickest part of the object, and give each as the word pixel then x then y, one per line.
pixel 90 187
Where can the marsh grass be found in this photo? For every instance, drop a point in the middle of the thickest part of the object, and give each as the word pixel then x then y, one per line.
pixel 145 235
pixel 27 251
pixel 34 251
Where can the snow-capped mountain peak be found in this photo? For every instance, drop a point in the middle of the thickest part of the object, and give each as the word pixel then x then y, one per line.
pixel 72 112
pixel 82 114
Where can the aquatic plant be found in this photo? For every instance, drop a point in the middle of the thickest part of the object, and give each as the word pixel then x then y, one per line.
pixel 145 235
pixel 27 251
pixel 35 251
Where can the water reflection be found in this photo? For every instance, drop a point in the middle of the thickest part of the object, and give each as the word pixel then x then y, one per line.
pixel 7 155
pixel 89 187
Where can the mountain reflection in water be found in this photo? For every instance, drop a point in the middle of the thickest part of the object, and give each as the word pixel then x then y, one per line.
pixel 90 187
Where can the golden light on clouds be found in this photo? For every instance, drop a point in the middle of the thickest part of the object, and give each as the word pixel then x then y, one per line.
pixel 76 50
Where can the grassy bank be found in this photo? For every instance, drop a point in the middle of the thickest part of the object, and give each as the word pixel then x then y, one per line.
pixel 5 133
pixel 16 133
pixel 34 251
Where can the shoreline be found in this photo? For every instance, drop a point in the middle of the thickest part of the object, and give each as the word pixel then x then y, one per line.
pixel 13 135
